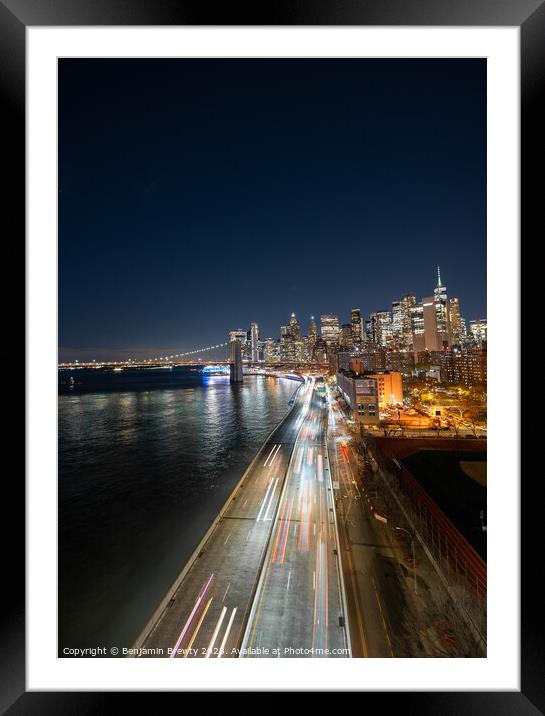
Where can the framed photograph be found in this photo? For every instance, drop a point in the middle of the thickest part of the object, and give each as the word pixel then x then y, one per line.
pixel 263 251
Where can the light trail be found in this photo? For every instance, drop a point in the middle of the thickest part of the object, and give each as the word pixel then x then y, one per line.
pixel 229 625
pixel 190 619
pixel 215 634
pixel 194 636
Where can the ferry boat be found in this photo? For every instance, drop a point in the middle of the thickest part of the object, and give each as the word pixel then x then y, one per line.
pixel 215 370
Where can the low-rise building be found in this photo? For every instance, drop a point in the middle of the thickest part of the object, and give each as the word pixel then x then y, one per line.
pixel 361 395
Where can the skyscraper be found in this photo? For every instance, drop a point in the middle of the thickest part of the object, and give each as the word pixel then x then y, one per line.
pixel 455 321
pixel 294 326
pixel 312 331
pixel 254 340
pixel 357 332
pixel 408 301
pixel 330 329
pixel 442 312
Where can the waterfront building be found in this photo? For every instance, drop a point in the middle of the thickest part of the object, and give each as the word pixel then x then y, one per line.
pixel 271 350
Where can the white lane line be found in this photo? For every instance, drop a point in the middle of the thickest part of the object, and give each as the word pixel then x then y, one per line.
pixel 270 502
pixel 227 538
pixel 264 500
pixel 215 634
pixel 288 584
pixel 225 593
pixel 244 505
pixel 229 625
pixel 271 452
pixel 275 454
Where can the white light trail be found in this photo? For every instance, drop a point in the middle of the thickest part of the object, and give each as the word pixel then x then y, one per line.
pixel 215 634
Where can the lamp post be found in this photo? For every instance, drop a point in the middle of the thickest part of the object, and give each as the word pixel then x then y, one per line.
pixel 402 529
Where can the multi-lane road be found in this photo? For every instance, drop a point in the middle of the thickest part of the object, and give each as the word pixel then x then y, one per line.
pixel 206 612
pixel 298 610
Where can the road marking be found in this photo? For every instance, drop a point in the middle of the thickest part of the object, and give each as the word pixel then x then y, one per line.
pixel 271 452
pixel 288 584
pixel 270 502
pixel 225 593
pixel 244 505
pixel 264 501
pixel 215 634
pixel 275 454
pixel 227 538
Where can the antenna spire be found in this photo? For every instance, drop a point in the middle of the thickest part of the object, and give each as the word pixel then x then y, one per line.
pixel 438 276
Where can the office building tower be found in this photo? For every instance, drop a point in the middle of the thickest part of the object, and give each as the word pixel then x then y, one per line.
pixel 477 329
pixel 294 326
pixel 330 329
pixel 455 321
pixel 254 342
pixel 357 329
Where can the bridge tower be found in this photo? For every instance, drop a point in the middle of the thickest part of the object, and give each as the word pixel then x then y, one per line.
pixel 235 361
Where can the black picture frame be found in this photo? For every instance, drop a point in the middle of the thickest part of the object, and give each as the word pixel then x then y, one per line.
pixel 15 16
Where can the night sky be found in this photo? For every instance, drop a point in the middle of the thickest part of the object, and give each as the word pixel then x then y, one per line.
pixel 198 195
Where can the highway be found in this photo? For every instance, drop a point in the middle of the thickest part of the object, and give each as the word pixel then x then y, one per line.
pixel 361 544
pixel 298 608
pixel 205 612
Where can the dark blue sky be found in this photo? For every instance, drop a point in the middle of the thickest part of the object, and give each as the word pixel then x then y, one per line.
pixel 198 195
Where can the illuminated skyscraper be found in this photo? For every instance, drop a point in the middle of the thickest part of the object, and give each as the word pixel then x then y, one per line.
pixel 357 330
pixel 478 331
pixel 455 321
pixel 442 313
pixel 312 331
pixel 330 329
pixel 408 302
pixel 294 326
pixel 254 341
pixel 346 340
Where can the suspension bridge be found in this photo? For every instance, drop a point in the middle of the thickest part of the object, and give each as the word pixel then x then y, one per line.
pixel 135 361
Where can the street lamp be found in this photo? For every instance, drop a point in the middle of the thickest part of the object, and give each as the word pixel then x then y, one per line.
pixel 402 529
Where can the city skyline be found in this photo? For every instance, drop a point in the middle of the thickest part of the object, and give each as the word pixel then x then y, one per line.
pixel 259 189
pixel 257 337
